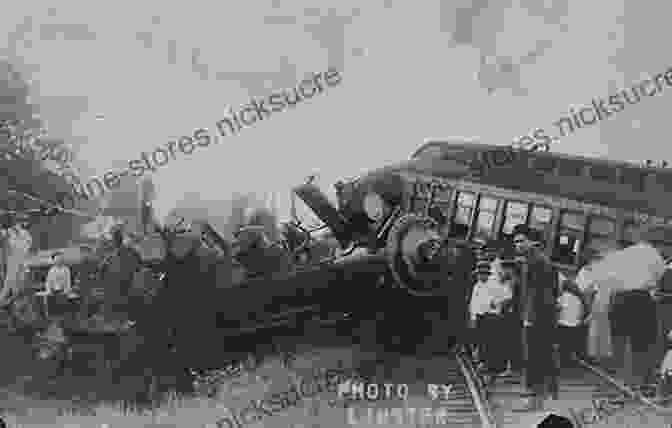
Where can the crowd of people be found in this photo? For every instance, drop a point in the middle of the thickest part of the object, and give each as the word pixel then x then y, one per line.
pixel 529 318
pixel 526 316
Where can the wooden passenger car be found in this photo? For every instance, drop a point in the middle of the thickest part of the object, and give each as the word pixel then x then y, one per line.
pixel 579 203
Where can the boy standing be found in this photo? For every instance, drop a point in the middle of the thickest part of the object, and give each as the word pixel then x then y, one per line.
pixel 572 310
pixel 479 305
pixel 59 284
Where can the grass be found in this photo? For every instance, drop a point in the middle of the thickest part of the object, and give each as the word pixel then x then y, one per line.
pixel 319 349
pixel 192 412
pixel 173 410
pixel 233 392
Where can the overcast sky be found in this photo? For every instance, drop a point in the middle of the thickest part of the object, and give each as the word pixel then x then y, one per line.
pixel 404 80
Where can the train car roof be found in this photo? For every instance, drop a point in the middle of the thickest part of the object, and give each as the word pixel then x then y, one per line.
pixel 473 146
pixel 611 184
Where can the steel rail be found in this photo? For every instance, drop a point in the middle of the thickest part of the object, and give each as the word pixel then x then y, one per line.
pixel 476 389
pixel 638 396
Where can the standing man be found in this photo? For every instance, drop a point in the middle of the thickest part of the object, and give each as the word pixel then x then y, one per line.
pixel 538 310
pixel 632 275
pixel 59 285
pixel 5 224
pixel 118 270
pixel 19 244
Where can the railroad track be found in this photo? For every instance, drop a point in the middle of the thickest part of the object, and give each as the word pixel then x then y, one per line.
pixel 470 404
pixel 580 389
pixel 464 404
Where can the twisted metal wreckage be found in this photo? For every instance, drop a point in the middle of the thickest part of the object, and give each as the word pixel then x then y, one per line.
pixel 252 284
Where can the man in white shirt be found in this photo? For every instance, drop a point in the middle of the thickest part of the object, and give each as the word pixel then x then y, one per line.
pixel 58 278
pixel 569 323
pixel 479 305
pixel 479 298
pixel 626 279
pixel 491 296
pixel 59 286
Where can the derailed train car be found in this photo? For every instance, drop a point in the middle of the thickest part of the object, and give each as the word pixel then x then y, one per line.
pixel 396 272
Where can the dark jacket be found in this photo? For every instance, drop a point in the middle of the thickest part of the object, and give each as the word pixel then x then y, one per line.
pixel 187 306
pixel 539 291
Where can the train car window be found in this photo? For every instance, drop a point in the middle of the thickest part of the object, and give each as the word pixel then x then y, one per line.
pixel 515 213
pixel 487 209
pixel 633 178
pixel 421 188
pixel 652 184
pixel 466 199
pixel 569 239
pixel 463 214
pixel 601 233
pixel 540 219
pixel 488 204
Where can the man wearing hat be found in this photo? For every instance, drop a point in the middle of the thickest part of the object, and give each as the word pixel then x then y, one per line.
pixel 539 293
pixel 479 305
pixel 507 269
pixel 491 295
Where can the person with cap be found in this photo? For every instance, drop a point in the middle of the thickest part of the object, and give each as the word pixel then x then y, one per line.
pixel 539 293
pixel 58 285
pixel 626 281
pixel 596 327
pixel 499 295
pixel 479 305
pixel 573 307
pixel 491 295
pixel 117 271
pixel 508 272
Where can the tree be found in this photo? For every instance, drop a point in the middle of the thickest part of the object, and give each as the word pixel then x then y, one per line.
pixel 26 182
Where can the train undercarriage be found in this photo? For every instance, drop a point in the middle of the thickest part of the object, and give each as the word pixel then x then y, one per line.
pixel 398 283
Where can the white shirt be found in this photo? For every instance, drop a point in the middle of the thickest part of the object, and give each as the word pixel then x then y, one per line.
pixel 666 365
pixel 489 296
pixel 498 292
pixel 584 279
pixel 561 277
pixel 638 267
pixel 479 300
pixel 571 310
pixel 58 279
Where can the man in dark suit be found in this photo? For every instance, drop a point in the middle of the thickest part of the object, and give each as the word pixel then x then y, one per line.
pixel 539 293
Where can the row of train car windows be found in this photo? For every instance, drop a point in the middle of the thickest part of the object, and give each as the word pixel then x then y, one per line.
pixel 576 235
